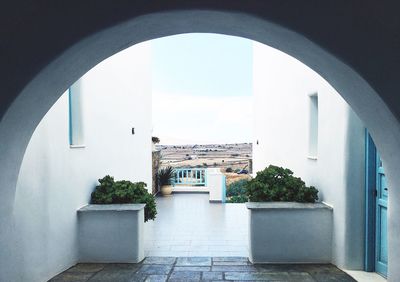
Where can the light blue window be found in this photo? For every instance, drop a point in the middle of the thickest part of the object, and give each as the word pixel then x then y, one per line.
pixel 76 137
pixel 313 126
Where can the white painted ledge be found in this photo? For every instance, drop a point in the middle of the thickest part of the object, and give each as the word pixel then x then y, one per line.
pixel 285 205
pixel 114 207
pixel 77 146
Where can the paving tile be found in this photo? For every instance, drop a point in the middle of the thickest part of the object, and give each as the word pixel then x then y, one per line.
pixel 154 269
pixel 172 243
pixel 231 263
pixel 192 268
pixel 159 260
pixel 236 268
pixel 257 276
pixel 236 243
pixel 185 276
pixel 301 277
pixel 320 268
pixel 212 275
pixel 180 248
pixel 72 277
pixel 156 278
pixel 178 253
pixel 137 277
pixel 122 266
pixel 193 248
pixel 86 267
pixel 115 275
pixel 230 259
pixel 161 248
pixel 279 268
pixel 332 277
pixel 198 253
pixel 153 253
pixel 193 261
pixel 226 247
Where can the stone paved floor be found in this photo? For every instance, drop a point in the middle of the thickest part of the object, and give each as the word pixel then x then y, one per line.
pixel 188 225
pixel 201 269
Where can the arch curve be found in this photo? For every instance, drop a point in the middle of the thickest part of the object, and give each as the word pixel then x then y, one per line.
pixel 24 114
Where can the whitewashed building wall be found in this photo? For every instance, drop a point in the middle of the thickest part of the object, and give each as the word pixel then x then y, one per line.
pixel 283 88
pixel 55 180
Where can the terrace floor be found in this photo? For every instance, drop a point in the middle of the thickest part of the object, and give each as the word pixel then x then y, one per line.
pixel 201 269
pixel 188 225
pixel 194 240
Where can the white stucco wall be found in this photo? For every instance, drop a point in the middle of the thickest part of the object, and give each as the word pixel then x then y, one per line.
pixel 56 180
pixel 282 86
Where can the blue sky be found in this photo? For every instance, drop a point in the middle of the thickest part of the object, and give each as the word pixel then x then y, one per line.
pixel 206 81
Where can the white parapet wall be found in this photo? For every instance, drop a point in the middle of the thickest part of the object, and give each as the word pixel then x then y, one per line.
pixel 287 232
pixel 216 185
pixel 190 189
pixel 56 177
pixel 111 233
pixel 302 123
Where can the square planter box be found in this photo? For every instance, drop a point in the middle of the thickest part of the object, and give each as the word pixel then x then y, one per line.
pixel 111 233
pixel 287 232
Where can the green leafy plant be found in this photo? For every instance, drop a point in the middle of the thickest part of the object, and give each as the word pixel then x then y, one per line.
pixel 278 184
pixel 236 192
pixel 166 175
pixel 155 140
pixel 237 188
pixel 238 199
pixel 124 192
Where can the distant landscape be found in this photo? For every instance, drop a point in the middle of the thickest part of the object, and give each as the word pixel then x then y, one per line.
pixel 232 159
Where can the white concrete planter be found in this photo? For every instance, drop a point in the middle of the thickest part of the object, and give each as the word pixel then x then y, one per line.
pixel 283 232
pixel 111 233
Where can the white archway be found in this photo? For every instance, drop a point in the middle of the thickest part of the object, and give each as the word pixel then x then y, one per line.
pixel 22 117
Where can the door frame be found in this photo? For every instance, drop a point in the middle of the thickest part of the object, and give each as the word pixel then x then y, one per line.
pixel 371 216
pixel 370 202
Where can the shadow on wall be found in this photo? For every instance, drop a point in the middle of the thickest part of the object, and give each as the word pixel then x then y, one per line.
pixel 355 200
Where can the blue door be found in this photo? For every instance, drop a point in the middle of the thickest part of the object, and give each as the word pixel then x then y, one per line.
pixel 381 248
pixel 376 250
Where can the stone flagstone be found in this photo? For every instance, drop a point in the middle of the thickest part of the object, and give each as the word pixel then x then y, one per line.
pixel 194 261
pixel 186 269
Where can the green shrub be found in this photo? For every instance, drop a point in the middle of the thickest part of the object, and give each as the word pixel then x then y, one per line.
pixel 238 199
pixel 228 169
pixel 124 192
pixel 278 184
pixel 237 188
pixel 236 192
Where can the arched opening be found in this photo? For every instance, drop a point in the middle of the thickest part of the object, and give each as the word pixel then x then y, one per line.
pixel 41 93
